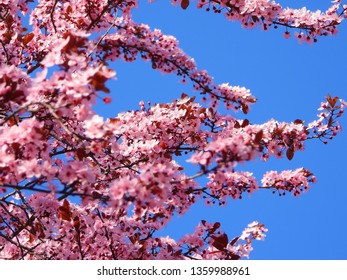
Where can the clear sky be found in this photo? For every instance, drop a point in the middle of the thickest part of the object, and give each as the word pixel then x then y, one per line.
pixel 289 80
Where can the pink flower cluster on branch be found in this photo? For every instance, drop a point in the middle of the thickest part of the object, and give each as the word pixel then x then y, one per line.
pixel 295 181
pixel 267 13
pixel 133 40
pixel 218 244
pixel 239 142
pixel 327 126
pixel 126 172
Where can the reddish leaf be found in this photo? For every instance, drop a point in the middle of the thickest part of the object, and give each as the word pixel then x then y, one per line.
pixel 17 149
pixel 219 246
pixel 81 153
pixel 184 4
pixel 188 110
pixel 178 153
pixel 76 223
pixel 298 121
pixel 245 123
pixel 255 18
pixel 31 237
pixel 237 124
pixel 233 242
pixel 245 108
pixel 332 100
pixel 7 37
pixel 39 228
pixel 98 82
pixel 65 211
pixel 220 242
pixel 15 146
pixel 290 153
pixel 216 226
pixel 43 132
pixel 114 120
pixel 178 253
pixel 68 12
pixel 258 137
pixel 96 194
pixel 27 38
pixel 184 95
pixel 132 239
pixel 66 204
pixel 13 120
pixel 64 215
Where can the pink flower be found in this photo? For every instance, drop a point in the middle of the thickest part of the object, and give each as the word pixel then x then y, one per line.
pixel 44 204
pixel 94 127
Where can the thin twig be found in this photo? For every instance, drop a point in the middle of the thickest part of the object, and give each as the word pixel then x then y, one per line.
pixel 6 53
pixel 104 35
pixel 52 18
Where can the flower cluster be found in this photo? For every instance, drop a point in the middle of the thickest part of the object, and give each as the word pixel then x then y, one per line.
pixel 75 185
pixel 292 181
pixel 266 13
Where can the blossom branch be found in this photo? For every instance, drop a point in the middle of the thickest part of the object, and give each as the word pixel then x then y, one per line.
pixel 52 15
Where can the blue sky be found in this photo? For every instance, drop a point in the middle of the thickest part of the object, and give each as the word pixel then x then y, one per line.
pixel 289 80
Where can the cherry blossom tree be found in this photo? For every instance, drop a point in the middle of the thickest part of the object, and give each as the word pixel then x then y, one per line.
pixel 74 185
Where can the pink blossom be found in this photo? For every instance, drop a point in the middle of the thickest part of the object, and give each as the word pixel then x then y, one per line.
pixel 77 186
pixel 94 127
pixel 296 181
